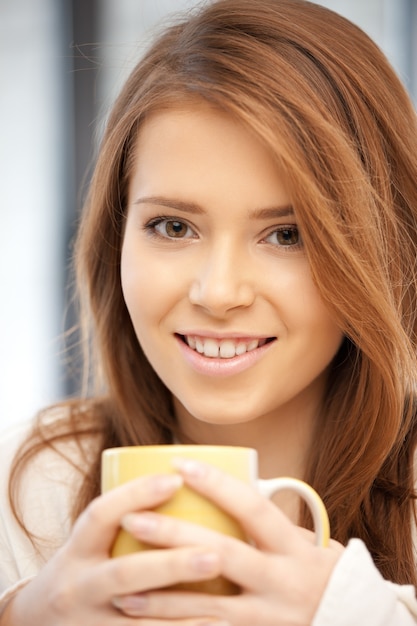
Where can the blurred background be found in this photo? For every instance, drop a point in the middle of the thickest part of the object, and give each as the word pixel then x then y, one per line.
pixel 62 62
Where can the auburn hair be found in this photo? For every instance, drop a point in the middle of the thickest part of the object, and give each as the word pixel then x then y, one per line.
pixel 324 99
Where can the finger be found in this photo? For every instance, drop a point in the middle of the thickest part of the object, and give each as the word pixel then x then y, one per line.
pixel 239 562
pixel 96 528
pixel 204 621
pixel 174 605
pixel 262 520
pixel 148 570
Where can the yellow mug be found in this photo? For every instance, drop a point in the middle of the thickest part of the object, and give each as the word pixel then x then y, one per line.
pixel 120 465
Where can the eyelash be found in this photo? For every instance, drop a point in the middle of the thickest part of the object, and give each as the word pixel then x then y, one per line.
pixel 151 228
pixel 292 228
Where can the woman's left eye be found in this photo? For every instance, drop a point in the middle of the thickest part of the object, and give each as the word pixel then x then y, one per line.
pixel 285 236
pixel 171 228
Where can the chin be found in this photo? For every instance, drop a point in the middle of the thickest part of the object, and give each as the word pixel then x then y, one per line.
pixel 222 417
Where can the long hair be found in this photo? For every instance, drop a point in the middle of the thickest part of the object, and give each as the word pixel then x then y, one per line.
pixel 323 98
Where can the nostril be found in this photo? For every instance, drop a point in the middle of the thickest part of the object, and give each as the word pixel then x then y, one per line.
pixel 218 293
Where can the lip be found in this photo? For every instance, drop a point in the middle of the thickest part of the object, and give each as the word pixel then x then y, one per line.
pixel 222 336
pixel 219 367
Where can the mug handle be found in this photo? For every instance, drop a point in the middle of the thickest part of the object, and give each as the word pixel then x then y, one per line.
pixel 268 487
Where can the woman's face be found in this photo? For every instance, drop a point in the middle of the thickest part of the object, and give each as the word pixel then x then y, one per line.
pixel 215 276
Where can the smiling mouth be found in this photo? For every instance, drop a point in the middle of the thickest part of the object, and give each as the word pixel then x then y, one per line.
pixel 223 348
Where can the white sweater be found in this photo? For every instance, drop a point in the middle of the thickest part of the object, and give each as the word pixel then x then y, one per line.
pixel 356 594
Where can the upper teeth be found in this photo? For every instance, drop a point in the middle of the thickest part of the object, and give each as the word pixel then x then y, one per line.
pixel 224 348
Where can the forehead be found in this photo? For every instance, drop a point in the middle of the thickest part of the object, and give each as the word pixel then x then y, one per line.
pixel 200 152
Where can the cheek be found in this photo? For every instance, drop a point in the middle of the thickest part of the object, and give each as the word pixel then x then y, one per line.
pixel 136 282
pixel 304 310
pixel 146 286
pixel 293 292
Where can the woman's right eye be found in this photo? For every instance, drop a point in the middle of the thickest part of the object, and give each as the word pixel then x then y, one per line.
pixel 170 228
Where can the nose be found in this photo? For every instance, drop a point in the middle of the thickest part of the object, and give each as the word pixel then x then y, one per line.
pixel 222 282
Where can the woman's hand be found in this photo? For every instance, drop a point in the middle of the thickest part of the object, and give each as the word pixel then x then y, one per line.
pixel 78 585
pixel 282 575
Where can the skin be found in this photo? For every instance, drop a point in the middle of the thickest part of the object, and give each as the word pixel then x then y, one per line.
pixel 282 578
pixel 231 274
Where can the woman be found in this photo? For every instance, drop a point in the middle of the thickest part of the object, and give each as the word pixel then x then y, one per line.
pixel 246 262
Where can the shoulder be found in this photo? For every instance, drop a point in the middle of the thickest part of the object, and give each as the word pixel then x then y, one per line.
pixel 49 442
pixel 44 491
pixel 10 440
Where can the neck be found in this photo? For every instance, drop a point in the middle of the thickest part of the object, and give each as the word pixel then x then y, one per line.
pixel 281 440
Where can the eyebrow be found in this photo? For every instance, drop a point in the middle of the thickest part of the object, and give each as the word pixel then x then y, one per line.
pixel 181 205
pixel 196 209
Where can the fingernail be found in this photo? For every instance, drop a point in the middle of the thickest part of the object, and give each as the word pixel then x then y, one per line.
pixel 139 523
pixel 167 483
pixel 190 467
pixel 205 562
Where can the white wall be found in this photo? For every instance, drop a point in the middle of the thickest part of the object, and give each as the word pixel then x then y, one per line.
pixel 30 217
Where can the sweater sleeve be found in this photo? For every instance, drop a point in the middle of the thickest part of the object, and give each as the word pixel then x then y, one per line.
pixel 358 594
pixel 11 591
pixel 46 492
